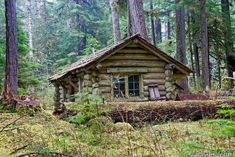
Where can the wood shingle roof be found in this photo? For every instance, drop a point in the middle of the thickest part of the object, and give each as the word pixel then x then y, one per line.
pixel 99 55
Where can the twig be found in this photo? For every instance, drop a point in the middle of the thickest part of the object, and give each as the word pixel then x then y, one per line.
pixel 18 149
pixel 10 123
pixel 51 153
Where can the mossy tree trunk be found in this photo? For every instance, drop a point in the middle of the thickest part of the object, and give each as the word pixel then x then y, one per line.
pixel 11 69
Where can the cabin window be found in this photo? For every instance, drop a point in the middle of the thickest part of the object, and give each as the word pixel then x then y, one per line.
pixel 126 86
pixel 133 84
pixel 119 87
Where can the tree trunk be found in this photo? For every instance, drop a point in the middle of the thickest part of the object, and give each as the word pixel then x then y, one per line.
pixel 168 25
pixel 196 53
pixel 217 49
pixel 180 40
pixel 191 47
pixel 137 18
pixel 204 46
pixel 81 41
pixel 115 20
pixel 11 78
pixel 158 30
pixel 152 23
pixel 228 40
pixel 129 20
pixel 30 36
pixel 197 63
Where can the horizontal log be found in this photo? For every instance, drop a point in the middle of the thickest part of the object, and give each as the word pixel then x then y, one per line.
pixel 156 70
pixel 128 69
pixel 160 88
pixel 132 63
pixel 105 89
pixel 154 76
pixel 134 50
pixel 104 83
pixel 133 45
pixel 134 56
pixel 102 70
pixel 154 81
pixel 104 77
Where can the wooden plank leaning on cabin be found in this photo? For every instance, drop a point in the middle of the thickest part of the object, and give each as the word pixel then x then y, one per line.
pixel 162 93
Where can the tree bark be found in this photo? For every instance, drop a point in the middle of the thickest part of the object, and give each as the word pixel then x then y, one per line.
pixel 181 40
pixel 196 53
pixel 191 47
pixel 81 41
pixel 158 31
pixel 115 20
pixel 30 34
pixel 11 69
pixel 204 46
pixel 152 23
pixel 228 39
pixel 137 18
pixel 168 25
pixel 217 49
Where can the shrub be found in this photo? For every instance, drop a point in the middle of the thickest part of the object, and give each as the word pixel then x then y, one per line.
pixel 89 107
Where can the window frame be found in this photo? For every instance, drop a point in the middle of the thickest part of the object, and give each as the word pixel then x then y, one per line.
pixel 127 96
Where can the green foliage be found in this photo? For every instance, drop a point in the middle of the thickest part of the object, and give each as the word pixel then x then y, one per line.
pixel 71 31
pixel 222 128
pixel 92 45
pixel 89 107
pixel 26 67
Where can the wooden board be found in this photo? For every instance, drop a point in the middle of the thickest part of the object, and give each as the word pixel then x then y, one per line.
pixel 104 77
pixel 134 56
pixel 154 76
pixel 154 81
pixel 127 69
pixel 133 50
pixel 156 70
pixel 132 63
pixel 160 87
pixel 154 93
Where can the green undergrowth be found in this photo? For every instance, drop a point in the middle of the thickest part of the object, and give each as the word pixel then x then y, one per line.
pixel 91 133
pixel 45 133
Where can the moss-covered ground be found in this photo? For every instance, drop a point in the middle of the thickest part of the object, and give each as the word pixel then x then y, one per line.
pixel 43 133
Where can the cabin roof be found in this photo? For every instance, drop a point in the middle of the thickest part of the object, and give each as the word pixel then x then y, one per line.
pixel 99 55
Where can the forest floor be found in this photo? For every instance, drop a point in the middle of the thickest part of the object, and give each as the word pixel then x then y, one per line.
pixel 45 134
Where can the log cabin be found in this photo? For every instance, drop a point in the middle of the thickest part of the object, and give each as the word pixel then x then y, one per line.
pixel 130 70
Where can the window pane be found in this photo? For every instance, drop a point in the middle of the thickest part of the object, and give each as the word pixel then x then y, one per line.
pixel 131 86
pixel 133 82
pixel 137 85
pixel 136 78
pixel 119 87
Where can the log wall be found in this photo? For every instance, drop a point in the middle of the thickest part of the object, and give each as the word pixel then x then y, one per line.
pixel 136 60
pixel 132 60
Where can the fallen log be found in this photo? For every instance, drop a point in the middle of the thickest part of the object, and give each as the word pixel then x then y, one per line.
pixel 163 112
